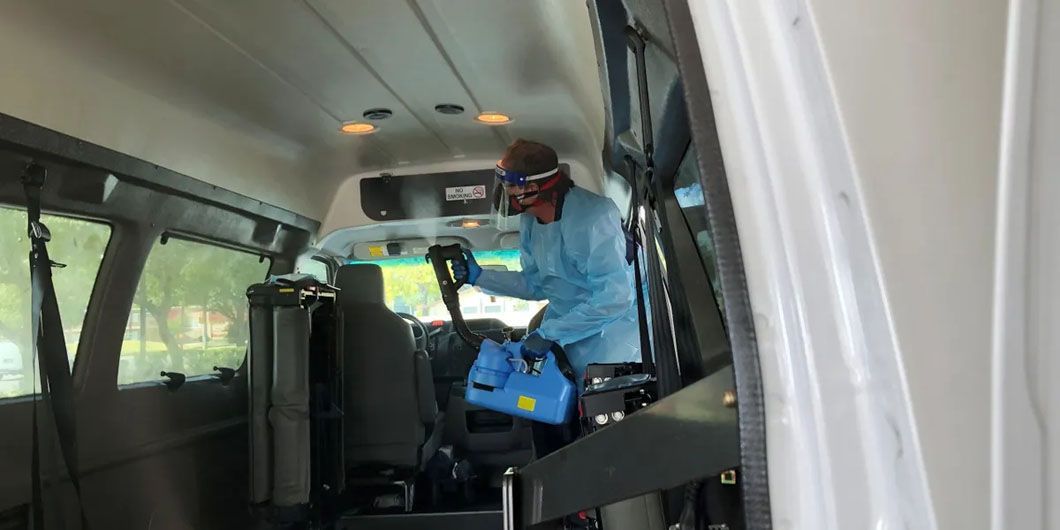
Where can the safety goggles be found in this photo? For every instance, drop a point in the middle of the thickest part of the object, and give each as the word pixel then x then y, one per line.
pixel 515 178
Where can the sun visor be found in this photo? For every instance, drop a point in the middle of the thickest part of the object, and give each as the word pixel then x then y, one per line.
pixel 400 248
pixel 427 196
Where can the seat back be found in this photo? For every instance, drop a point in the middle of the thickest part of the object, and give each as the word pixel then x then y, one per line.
pixel 384 417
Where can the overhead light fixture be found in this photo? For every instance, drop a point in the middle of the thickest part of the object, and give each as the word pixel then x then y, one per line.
pixel 357 127
pixel 493 118
pixel 468 223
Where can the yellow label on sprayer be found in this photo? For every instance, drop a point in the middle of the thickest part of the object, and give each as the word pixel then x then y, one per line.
pixel 526 403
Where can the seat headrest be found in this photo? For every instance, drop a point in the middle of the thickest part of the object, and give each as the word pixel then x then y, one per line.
pixel 360 283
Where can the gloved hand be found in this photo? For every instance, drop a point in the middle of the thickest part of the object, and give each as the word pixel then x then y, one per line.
pixel 467 274
pixel 535 346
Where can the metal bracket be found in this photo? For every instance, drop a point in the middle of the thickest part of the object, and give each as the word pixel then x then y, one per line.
pixel 508 498
pixel 686 436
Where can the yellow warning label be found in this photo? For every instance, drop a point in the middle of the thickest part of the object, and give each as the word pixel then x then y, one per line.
pixel 526 403
pixel 376 251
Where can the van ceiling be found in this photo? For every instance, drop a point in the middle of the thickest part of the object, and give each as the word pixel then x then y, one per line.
pixel 249 94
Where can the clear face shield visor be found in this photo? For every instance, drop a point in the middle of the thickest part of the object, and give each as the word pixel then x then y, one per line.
pixel 513 193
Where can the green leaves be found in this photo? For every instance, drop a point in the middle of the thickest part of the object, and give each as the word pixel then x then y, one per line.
pixel 77 243
pixel 412 288
pixel 190 291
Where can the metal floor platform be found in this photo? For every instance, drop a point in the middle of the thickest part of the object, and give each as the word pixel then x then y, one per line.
pixel 480 520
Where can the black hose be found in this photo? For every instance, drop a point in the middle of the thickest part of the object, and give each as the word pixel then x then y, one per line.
pixel 462 329
pixel 439 256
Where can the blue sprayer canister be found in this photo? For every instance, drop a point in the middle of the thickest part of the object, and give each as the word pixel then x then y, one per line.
pixel 501 380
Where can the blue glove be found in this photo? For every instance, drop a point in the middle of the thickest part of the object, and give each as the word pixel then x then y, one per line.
pixel 470 273
pixel 535 346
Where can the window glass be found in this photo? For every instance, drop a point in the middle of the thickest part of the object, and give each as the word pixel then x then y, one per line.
pixel 76 243
pixel 688 189
pixel 410 287
pixel 190 311
pixel 318 269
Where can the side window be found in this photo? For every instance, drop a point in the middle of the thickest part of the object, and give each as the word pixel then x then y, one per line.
pixel 190 311
pixel 688 189
pixel 76 243
pixel 316 268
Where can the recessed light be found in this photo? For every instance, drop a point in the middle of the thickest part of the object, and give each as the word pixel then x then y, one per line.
pixel 493 118
pixel 449 108
pixel 468 223
pixel 357 127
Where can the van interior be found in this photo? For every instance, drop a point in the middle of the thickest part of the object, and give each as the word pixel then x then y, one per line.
pixel 187 150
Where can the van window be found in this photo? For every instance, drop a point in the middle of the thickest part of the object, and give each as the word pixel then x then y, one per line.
pixel 315 268
pixel 78 244
pixel 411 287
pixel 688 189
pixel 190 311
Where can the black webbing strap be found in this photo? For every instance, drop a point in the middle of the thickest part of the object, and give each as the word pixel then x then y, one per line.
pixel 49 349
pixel 634 232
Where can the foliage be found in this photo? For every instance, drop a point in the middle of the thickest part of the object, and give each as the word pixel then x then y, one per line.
pixel 197 361
pixel 412 288
pixel 76 243
pixel 180 278
pixel 181 275
pixel 178 275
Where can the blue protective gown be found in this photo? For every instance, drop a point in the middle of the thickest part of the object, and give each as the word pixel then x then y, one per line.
pixel 578 264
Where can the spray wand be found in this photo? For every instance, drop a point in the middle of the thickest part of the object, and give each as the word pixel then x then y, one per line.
pixel 440 256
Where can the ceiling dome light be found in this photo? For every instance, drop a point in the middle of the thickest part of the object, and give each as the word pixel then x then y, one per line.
pixel 449 108
pixel 357 127
pixel 378 114
pixel 468 223
pixel 493 118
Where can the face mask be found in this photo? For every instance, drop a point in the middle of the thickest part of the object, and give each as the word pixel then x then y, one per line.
pixel 549 185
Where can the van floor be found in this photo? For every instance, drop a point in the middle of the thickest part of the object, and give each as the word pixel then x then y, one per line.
pixel 463 520
pixel 458 498
pixel 451 511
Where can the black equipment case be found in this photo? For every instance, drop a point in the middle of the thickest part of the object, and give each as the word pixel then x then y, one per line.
pixel 294 366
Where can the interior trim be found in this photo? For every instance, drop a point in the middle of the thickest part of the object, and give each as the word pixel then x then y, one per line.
pixel 185 438
pixel 738 313
pixel 23 135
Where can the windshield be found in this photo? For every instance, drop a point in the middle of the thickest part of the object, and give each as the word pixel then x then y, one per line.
pixel 412 288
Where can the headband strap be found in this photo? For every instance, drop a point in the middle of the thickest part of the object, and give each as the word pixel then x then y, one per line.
pixel 514 177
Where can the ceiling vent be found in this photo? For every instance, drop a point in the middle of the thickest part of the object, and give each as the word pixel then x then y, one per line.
pixel 449 108
pixel 377 114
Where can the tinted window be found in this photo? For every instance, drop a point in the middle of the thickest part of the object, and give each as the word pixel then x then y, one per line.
pixel 76 243
pixel 318 269
pixel 190 311
pixel 688 189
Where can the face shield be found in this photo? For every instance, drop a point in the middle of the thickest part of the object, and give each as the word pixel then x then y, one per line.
pixel 515 192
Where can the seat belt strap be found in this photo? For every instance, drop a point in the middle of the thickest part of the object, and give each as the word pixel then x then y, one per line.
pixel 49 349
pixel 636 234
pixel 647 359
